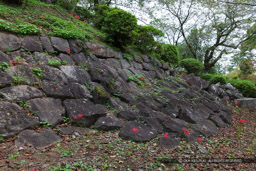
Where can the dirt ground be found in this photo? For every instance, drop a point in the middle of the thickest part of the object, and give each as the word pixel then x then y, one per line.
pixel 101 150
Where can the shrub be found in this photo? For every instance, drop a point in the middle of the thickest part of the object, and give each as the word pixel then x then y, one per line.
pixel 144 38
pixel 206 76
pixel 118 26
pixel 167 53
pixel 67 4
pixel 192 65
pixel 218 79
pixel 246 87
pixel 84 13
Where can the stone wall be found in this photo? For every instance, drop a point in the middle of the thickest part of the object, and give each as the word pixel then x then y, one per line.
pixel 91 87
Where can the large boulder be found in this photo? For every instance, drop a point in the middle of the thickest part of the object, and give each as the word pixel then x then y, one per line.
pixel 5 79
pixel 47 109
pixel 43 139
pixel 60 44
pixel 89 112
pixel 175 126
pixel 47 45
pixel 13 119
pixel 206 128
pixel 100 50
pixel 20 93
pixel 107 123
pixel 137 132
pixel 32 43
pixel 9 42
pixel 248 103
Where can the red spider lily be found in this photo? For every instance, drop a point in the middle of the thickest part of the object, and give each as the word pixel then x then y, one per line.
pixel 85 21
pixel 199 139
pixel 183 73
pixel 135 130
pixel 165 135
pixel 80 115
pixel 68 50
pixel 71 14
pixel 75 117
pixel 142 79
pixel 242 121
pixel 33 170
pixel 231 97
pixel 238 101
pixel 186 131
pixel 78 17
pixel 43 16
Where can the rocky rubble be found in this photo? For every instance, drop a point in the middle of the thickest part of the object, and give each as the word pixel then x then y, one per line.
pixel 105 90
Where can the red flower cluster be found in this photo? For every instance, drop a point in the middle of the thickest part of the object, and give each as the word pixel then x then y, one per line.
pixel 231 97
pixel 78 17
pixel 183 73
pixel 71 14
pixel 79 116
pixel 165 135
pixel 238 101
pixel 85 21
pixel 135 130
pixel 142 79
pixel 199 139
pixel 68 50
pixel 242 121
pixel 43 16
pixel 186 131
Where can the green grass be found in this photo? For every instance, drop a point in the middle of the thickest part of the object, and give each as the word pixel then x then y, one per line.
pixel 51 20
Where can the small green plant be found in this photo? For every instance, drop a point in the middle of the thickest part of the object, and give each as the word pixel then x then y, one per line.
pixel 25 105
pixel 65 153
pixel 38 72
pixel 137 79
pixel 19 80
pixel 54 62
pixel 2 137
pixel 4 66
pixel 45 124
pixel 127 57
pixel 13 156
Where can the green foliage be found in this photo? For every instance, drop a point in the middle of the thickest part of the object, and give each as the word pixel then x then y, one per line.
pixel 2 137
pixel 38 72
pixel 117 24
pixel 4 66
pixel 218 79
pixel 56 62
pixel 19 27
pixel 127 57
pixel 192 65
pixel 45 124
pixel 136 78
pixel 67 4
pixel 168 53
pixel 25 105
pixel 144 38
pixel 84 13
pixel 246 87
pixel 206 76
pixel 19 79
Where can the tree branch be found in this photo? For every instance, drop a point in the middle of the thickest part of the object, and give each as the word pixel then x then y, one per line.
pixel 237 3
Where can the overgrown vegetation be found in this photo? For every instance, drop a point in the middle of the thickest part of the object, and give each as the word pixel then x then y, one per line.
pixel 192 65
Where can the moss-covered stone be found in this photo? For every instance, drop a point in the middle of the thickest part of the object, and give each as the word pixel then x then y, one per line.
pixel 100 95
